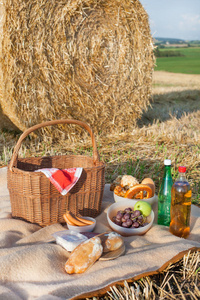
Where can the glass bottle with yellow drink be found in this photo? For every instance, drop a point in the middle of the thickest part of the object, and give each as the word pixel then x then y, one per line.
pixel 180 205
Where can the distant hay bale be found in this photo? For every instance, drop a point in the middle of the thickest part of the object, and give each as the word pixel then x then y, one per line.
pixel 89 60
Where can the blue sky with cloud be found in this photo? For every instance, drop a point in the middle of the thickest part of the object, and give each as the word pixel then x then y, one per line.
pixel 174 18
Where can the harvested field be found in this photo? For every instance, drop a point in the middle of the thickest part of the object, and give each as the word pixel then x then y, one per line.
pixel 166 81
pixel 169 129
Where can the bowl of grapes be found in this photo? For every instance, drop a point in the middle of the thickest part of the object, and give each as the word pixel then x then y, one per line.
pixel 130 217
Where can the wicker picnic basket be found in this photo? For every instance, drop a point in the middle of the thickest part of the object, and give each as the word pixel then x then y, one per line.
pixel 35 199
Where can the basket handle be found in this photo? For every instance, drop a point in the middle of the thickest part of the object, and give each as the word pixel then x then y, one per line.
pixel 49 123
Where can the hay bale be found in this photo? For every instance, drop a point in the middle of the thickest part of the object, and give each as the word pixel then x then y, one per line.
pixel 90 60
pixel 5 122
pixel 2 14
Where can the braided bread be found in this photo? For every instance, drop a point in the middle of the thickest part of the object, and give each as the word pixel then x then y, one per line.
pixel 140 191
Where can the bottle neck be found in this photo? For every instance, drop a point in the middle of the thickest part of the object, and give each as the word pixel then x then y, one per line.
pixel 181 176
pixel 167 171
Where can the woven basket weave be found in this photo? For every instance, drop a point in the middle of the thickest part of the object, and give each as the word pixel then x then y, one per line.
pixel 34 198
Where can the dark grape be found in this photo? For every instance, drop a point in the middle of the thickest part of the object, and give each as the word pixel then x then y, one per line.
pixel 134 219
pixel 114 219
pixel 140 219
pixel 126 216
pixel 123 219
pixel 129 222
pixel 124 224
pixel 136 225
pixel 120 214
pixel 128 210
pixel 118 222
pixel 145 224
pixel 118 218
pixel 136 213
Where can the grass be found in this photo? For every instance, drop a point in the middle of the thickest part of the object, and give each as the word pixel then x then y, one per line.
pixel 189 63
pixel 143 158
pixel 170 128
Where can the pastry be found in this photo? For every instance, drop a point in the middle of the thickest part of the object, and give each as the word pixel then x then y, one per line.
pixel 150 183
pixel 84 256
pixel 116 182
pixel 140 191
pixel 119 191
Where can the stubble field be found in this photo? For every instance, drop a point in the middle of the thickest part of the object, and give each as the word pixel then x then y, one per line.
pixel 170 128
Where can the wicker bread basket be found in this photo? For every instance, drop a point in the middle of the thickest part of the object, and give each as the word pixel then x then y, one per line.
pixel 34 198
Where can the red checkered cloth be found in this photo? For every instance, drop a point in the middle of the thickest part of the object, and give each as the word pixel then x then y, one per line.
pixel 63 179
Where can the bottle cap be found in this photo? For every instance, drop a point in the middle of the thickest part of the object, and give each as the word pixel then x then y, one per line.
pixel 167 162
pixel 182 169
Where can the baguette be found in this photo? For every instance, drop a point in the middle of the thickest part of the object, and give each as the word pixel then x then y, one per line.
pixel 84 256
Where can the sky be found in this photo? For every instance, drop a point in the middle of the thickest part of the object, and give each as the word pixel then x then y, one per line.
pixel 174 18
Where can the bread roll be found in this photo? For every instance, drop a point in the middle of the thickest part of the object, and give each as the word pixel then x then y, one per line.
pixel 129 181
pixel 150 183
pixel 111 241
pixel 84 256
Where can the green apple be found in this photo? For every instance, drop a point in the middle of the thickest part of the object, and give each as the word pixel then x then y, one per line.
pixel 144 207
